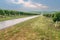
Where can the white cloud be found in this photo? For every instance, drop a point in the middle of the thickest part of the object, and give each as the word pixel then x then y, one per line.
pixel 29 4
pixel 18 1
pixel 40 5
pixel 35 5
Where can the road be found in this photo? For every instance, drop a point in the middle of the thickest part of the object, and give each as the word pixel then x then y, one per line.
pixel 10 23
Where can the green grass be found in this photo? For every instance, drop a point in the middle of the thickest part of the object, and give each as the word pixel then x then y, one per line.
pixel 40 28
pixel 12 17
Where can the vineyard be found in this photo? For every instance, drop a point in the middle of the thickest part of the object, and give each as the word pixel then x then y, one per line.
pixel 55 16
pixel 12 14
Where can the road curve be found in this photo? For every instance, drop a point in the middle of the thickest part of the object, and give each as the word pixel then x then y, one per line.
pixel 9 23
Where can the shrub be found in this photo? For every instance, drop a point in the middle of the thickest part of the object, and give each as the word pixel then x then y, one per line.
pixel 56 16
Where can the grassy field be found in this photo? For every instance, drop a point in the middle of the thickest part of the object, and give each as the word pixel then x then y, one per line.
pixel 40 28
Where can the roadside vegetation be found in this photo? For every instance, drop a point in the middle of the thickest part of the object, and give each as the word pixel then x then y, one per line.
pixel 55 17
pixel 12 14
pixel 40 28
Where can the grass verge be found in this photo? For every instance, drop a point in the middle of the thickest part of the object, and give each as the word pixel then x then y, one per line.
pixel 12 17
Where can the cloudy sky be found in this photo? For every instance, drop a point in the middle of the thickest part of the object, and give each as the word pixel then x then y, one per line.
pixel 30 5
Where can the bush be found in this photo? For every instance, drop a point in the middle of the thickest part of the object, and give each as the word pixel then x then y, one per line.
pixel 56 16
pixel 47 15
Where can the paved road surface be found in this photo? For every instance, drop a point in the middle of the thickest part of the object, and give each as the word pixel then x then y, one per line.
pixel 9 23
